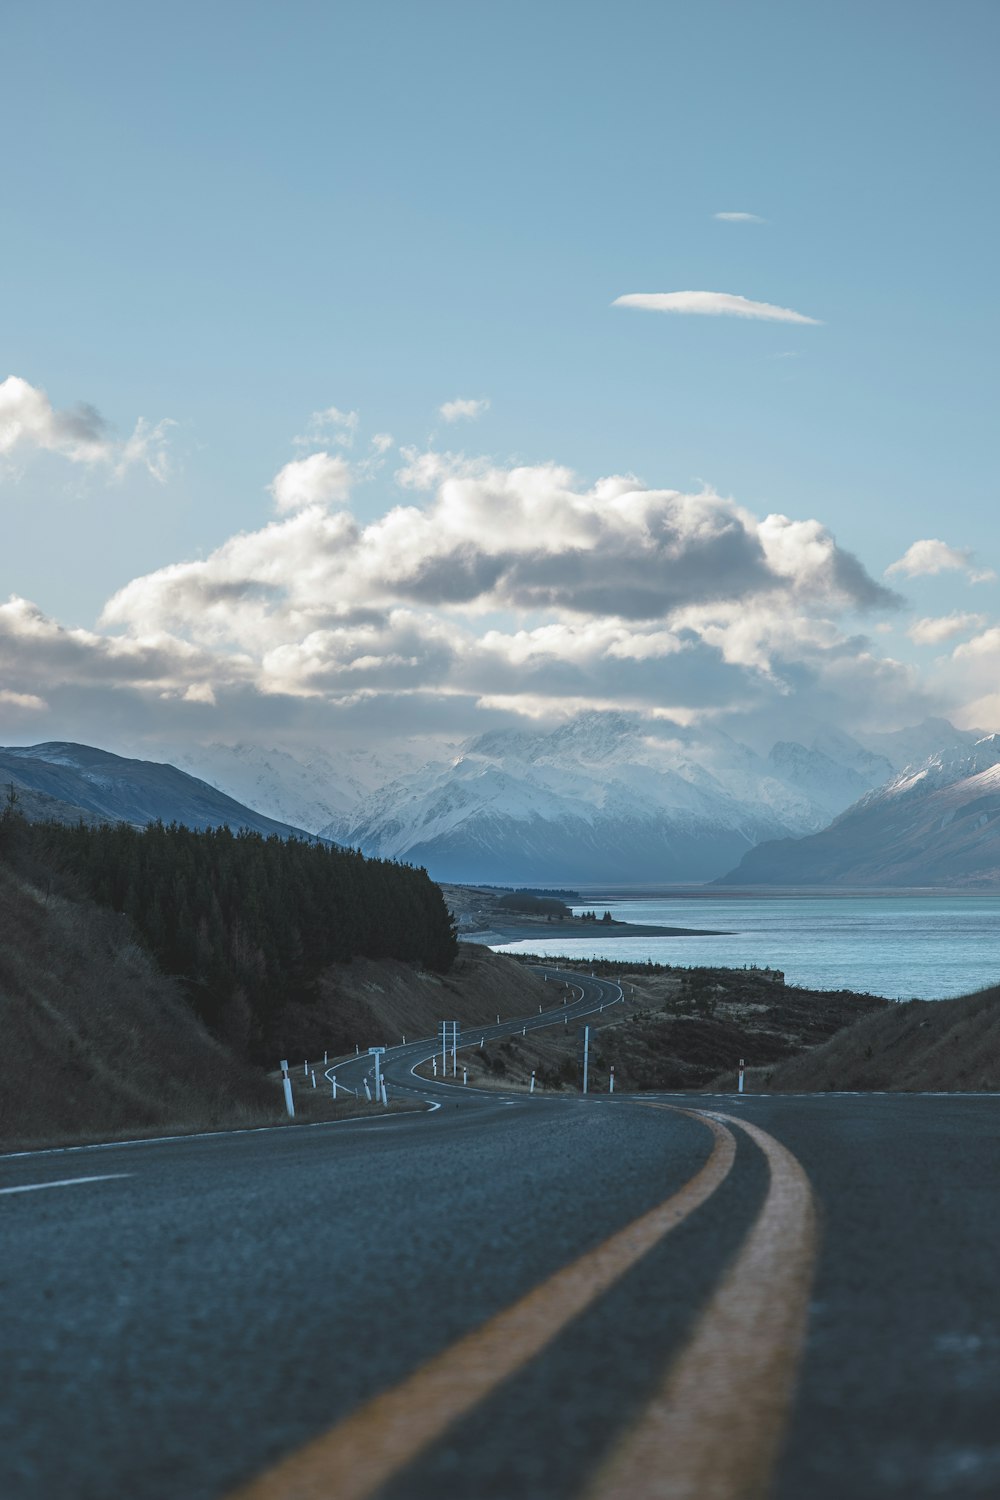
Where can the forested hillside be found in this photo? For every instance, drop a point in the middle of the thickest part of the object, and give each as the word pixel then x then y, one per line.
pixel 246 924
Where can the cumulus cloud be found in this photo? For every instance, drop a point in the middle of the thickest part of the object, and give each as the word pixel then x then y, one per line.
pixel 316 480
pixel 612 593
pixel 516 588
pixel 931 555
pixel 739 218
pixel 29 421
pixel 463 409
pixel 931 631
pixel 711 304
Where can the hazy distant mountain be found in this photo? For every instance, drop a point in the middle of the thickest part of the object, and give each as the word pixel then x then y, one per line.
pixel 63 780
pixel 607 797
pixel 314 789
pixel 934 824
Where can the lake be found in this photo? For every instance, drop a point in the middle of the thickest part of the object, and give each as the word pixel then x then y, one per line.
pixel 905 946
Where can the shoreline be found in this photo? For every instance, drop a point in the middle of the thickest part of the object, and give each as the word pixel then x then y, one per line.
pixel 519 932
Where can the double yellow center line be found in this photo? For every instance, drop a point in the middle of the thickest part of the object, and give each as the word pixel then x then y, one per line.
pixel 361 1453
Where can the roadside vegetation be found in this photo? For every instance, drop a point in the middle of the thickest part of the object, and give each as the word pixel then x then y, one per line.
pixel 245 925
pixel 103 1041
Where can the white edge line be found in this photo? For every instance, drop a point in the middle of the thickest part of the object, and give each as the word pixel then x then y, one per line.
pixel 199 1135
pixel 36 1187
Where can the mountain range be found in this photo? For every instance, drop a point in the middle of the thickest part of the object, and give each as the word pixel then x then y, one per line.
pixel 67 782
pixel 605 798
pixel 937 824
pixel 609 797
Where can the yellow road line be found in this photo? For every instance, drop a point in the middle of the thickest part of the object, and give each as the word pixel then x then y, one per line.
pixel 714 1430
pixel 358 1455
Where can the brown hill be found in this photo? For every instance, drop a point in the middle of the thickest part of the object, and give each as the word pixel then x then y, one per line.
pixel 917 1045
pixel 96 1041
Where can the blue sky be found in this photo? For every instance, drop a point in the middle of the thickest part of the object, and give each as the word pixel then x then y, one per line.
pixel 227 218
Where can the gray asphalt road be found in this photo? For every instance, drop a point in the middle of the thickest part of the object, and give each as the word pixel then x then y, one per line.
pixel 202 1308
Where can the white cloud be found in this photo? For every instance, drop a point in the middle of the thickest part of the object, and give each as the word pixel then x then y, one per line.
pixel 932 631
pixel 930 556
pixel 29 702
pixel 382 442
pixel 985 645
pixel 316 480
pixel 740 218
pixel 612 592
pixel 463 409
pixel 330 424
pixel 712 304
pixel 28 421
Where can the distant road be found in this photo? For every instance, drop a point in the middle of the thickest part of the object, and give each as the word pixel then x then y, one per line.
pixel 507 1296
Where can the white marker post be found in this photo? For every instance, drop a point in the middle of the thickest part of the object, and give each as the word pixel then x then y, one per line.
pixel 375 1053
pixel 385 1097
pixel 368 1092
pixel 586 1055
pixel 313 1076
pixel 465 1074
pixel 741 1076
pixel 287 1086
pixel 531 1089
pixel 324 1057
pixel 305 1069
pixel 611 1084
pixel 454 1049
pixel 333 1084
pixel 481 1041
pixel 434 1064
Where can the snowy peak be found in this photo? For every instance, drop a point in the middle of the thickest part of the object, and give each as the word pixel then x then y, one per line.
pixel 604 794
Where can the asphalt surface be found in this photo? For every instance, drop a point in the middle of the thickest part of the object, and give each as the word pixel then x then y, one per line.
pixel 203 1307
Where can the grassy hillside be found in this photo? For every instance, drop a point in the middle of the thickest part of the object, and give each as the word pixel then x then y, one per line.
pixel 923 1044
pixel 96 1041
pixel 370 1002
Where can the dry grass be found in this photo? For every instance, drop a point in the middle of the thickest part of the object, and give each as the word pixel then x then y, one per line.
pixel 370 1003
pixel 97 1044
pixel 921 1044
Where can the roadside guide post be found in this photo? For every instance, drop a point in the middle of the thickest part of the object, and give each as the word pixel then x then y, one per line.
pixel 375 1053
pixel 586 1055
pixel 286 1083
pixel 313 1076
pixel 333 1084
pixel 741 1076
pixel 531 1090
pixel 465 1074
pixel 611 1085
pixel 445 1025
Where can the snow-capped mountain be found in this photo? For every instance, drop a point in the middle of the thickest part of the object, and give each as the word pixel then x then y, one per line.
pixel 67 781
pixel 608 797
pixel 933 824
pixel 314 789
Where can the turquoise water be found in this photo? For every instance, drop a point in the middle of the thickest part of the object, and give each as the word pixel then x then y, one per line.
pixel 922 947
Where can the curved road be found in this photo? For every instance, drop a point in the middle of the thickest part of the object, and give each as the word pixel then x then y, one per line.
pixel 508 1296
